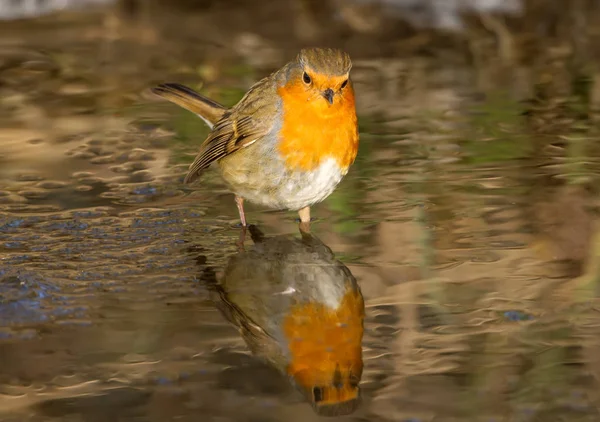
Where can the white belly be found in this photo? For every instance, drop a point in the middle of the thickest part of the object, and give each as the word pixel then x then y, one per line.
pixel 292 190
pixel 308 188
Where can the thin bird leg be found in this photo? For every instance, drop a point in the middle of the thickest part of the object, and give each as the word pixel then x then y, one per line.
pixel 240 206
pixel 241 240
pixel 304 214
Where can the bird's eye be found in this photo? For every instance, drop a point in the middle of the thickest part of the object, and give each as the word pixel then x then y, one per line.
pixel 354 381
pixel 306 78
pixel 318 394
pixel 344 84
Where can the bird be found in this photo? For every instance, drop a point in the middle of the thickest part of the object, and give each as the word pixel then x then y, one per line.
pixel 301 311
pixel 289 141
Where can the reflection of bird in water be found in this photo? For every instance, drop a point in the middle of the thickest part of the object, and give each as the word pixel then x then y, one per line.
pixel 302 311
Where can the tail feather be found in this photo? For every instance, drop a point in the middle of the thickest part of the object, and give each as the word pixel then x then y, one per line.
pixel 207 109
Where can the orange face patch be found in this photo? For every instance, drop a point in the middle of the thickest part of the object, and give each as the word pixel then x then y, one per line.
pixel 326 347
pixel 314 130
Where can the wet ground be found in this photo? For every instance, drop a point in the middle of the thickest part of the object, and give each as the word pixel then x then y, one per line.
pixel 468 221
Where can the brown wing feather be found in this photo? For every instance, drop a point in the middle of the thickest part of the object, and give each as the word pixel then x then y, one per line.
pixel 250 330
pixel 247 122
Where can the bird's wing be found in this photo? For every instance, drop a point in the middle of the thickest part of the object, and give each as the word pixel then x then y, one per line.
pixel 247 122
pixel 249 329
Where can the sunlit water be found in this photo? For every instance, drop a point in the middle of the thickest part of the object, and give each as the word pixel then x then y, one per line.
pixel 465 220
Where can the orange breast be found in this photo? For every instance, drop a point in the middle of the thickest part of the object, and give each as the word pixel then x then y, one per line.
pixel 321 340
pixel 313 130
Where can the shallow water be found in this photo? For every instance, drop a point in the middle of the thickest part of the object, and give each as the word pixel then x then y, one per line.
pixel 468 221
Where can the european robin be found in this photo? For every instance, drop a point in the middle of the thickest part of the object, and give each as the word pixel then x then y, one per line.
pixel 300 310
pixel 289 141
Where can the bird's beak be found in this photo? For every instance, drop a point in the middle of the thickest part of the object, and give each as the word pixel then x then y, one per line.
pixel 328 94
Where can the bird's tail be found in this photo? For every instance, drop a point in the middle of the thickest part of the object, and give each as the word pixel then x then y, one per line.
pixel 207 109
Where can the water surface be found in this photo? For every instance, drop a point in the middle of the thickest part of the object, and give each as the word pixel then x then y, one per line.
pixel 468 221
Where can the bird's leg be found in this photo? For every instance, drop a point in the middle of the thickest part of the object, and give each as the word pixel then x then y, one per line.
pixel 241 240
pixel 239 201
pixel 304 214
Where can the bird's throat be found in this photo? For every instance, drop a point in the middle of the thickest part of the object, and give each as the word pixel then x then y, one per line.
pixel 314 130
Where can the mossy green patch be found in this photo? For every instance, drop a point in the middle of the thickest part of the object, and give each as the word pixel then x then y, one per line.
pixel 497 132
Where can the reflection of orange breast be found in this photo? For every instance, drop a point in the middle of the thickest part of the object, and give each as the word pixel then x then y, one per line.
pixel 322 340
pixel 314 130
